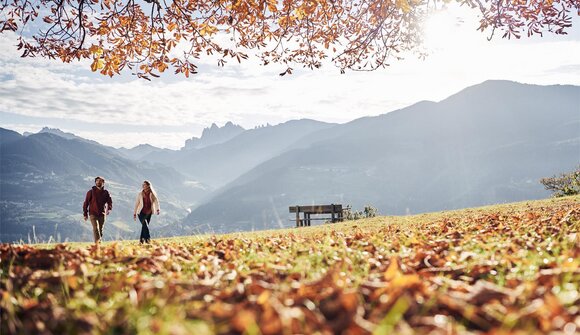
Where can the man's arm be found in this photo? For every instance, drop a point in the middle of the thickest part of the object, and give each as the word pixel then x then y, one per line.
pixel 109 202
pixel 86 205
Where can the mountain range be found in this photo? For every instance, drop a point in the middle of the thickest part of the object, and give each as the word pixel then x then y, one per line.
pixel 44 178
pixel 489 143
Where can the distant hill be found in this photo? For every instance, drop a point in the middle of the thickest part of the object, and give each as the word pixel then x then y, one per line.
pixel 490 143
pixel 44 178
pixel 7 136
pixel 218 164
pixel 66 135
pixel 141 151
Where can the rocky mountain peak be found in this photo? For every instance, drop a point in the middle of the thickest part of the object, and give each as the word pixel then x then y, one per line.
pixel 214 135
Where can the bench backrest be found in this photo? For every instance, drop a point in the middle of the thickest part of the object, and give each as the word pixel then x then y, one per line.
pixel 317 209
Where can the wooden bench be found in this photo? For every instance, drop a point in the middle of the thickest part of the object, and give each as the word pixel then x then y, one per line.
pixel 335 211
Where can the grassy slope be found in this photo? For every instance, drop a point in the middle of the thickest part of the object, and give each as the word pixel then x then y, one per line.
pixel 505 268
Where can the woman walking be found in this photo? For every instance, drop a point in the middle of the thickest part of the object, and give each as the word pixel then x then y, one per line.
pixel 147 203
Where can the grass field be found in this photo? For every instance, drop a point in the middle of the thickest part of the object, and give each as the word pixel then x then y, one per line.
pixel 506 269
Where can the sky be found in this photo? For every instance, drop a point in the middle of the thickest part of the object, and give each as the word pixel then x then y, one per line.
pixel 126 111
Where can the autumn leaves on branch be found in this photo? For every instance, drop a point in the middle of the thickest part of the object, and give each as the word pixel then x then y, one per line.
pixel 150 36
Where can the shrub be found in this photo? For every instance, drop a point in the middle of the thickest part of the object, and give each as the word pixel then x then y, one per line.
pixel 368 212
pixel 563 185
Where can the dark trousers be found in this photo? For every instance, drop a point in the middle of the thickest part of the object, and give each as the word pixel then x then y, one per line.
pixel 145 236
pixel 98 222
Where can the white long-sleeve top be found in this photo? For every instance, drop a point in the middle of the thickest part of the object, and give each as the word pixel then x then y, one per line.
pixel 139 203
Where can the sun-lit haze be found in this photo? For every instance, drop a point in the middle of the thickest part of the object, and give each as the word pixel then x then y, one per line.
pixel 126 111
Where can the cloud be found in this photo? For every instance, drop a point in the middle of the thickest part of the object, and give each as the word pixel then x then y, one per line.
pixel 569 69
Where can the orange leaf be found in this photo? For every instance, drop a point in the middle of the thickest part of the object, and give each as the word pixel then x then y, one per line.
pixel 405 281
pixel 243 320
pixel 263 297
pixel 393 270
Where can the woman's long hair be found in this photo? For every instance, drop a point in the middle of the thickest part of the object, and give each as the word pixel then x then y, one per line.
pixel 152 190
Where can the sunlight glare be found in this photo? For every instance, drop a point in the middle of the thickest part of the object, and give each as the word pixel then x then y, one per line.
pixel 454 27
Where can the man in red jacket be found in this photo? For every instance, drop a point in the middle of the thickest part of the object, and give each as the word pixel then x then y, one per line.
pixel 94 207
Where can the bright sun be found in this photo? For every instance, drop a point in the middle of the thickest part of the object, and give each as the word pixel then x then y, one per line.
pixel 453 27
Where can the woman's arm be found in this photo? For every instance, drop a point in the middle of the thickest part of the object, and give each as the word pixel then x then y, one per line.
pixel 157 204
pixel 138 202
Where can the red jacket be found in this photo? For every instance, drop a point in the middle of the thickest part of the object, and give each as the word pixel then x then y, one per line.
pixel 95 202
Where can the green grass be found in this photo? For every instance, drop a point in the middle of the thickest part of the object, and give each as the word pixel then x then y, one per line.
pixel 505 268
